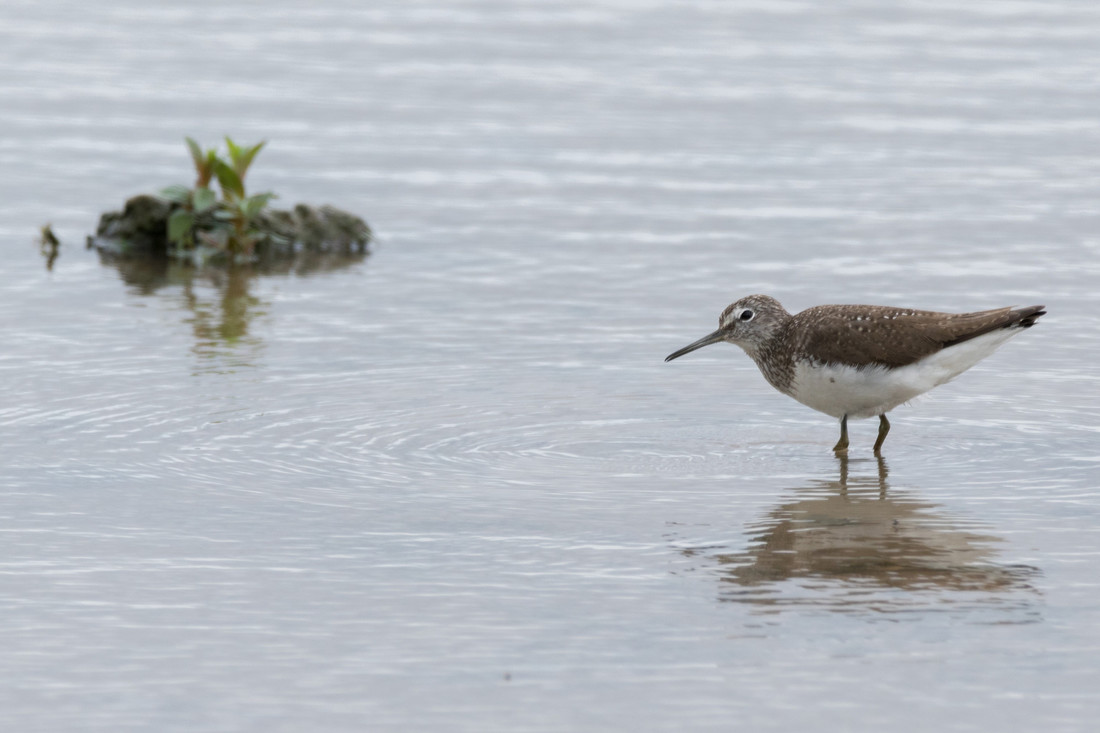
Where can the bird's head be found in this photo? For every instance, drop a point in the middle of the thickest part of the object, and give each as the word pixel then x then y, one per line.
pixel 749 323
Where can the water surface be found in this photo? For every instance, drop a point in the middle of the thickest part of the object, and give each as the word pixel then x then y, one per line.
pixel 451 485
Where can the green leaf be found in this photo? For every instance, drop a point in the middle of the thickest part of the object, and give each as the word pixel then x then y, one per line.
pixel 196 152
pixel 179 225
pixel 243 160
pixel 234 150
pixel 204 199
pixel 176 194
pixel 253 205
pixel 232 187
pixel 206 169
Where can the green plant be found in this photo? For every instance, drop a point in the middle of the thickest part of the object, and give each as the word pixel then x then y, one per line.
pixel 205 162
pixel 200 219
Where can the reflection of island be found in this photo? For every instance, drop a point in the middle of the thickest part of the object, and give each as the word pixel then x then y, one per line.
pixel 853 545
pixel 217 299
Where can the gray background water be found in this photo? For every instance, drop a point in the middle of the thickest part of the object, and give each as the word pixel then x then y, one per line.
pixel 453 486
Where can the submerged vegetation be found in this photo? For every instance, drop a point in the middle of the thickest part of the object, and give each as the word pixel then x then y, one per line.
pixel 216 220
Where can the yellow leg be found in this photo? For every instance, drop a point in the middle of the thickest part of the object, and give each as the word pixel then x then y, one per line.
pixel 883 429
pixel 842 444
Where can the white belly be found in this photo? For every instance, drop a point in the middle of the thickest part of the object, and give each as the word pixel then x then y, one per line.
pixel 840 390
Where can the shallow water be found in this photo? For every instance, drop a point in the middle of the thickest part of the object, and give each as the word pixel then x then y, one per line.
pixel 452 485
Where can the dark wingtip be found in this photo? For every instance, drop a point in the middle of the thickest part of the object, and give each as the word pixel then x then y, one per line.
pixel 1028 316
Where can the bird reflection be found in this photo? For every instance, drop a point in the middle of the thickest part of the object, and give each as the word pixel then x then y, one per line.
pixel 852 544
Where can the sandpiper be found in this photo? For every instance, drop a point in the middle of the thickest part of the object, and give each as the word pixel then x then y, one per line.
pixel 857 361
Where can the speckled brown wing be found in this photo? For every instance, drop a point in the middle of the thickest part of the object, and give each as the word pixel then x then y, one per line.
pixel 861 335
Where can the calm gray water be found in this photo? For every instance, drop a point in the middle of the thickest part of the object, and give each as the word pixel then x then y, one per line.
pixel 453 486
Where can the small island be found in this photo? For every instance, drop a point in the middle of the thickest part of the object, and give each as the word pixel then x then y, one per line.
pixel 197 225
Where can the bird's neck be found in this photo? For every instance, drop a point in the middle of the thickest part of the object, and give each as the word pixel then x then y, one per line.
pixel 774 361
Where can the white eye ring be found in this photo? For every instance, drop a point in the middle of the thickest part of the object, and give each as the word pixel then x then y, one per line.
pixel 746 315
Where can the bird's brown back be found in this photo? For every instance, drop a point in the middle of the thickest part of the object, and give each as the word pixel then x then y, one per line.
pixel 864 335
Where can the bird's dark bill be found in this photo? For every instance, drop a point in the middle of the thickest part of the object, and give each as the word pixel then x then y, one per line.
pixel 707 340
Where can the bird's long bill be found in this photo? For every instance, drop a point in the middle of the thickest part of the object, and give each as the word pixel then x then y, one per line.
pixel 707 340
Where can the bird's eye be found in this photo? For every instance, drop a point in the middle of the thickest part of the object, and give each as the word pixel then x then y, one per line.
pixel 746 315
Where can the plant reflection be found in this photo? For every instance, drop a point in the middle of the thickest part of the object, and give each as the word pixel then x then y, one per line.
pixel 854 544
pixel 218 300
pixel 224 318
